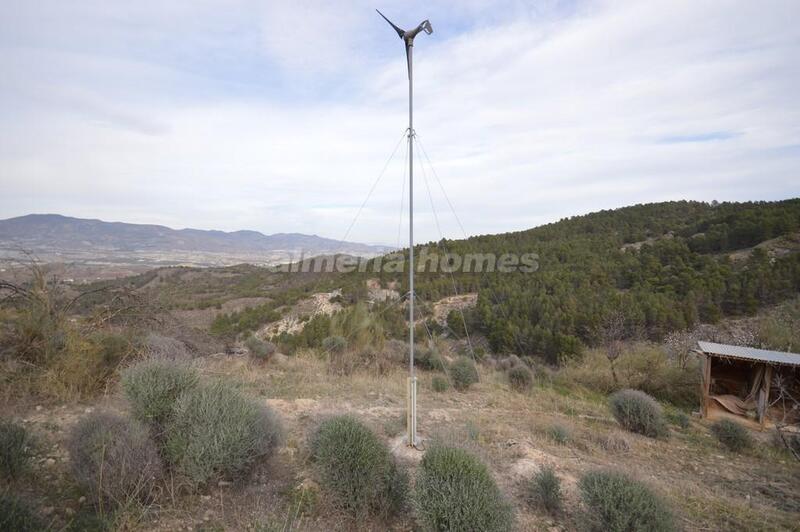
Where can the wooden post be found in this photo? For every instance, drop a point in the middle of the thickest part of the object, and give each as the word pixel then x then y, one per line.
pixel 768 379
pixel 705 385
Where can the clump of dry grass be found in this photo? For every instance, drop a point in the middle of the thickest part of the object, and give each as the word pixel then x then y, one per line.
pixel 17 515
pixel 15 449
pixel 544 490
pixel 611 442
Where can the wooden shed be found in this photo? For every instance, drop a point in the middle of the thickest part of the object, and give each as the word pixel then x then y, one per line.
pixel 741 381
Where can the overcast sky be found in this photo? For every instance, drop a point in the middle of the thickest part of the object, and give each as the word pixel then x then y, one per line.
pixel 278 116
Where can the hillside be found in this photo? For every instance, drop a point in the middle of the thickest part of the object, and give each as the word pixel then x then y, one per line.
pixel 662 266
pixel 328 343
pixel 52 233
pixel 658 268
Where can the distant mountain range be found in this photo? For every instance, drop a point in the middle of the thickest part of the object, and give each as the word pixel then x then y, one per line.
pixel 55 233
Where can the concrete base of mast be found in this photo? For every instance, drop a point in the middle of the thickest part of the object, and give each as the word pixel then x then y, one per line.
pixel 411 412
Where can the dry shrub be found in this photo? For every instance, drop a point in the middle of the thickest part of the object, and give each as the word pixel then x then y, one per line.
pixel 382 360
pixel 63 360
pixel 36 332
pixel 216 433
pixel 638 412
pixel 679 419
pixel 260 350
pixel 649 368
pixel 153 386
pixel 395 353
pixel 616 502
pixel 509 362
pixel 643 367
pixel 345 362
pixel 463 373
pixel 358 469
pixel 86 365
pixel 361 328
pixel 439 384
pixel 334 344
pixel 592 371
pixel 790 441
pixel 114 459
pixel 455 491
pixel 160 347
pixel 520 378
pixel 732 435
pixel 428 358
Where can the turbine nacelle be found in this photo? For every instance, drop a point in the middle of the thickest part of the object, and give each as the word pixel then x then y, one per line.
pixel 408 35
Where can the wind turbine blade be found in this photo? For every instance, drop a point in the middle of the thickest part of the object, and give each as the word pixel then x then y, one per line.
pixel 400 32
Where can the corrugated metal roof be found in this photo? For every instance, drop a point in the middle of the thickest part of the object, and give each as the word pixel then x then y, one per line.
pixel 750 353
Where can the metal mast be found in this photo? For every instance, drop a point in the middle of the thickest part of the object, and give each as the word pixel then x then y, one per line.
pixel 408 39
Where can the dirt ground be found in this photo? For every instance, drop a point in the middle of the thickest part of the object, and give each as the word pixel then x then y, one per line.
pixel 709 487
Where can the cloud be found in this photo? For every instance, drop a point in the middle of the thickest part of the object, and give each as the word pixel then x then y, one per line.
pixel 711 136
pixel 278 117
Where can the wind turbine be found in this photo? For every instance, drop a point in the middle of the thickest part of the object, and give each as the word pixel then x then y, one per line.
pixel 408 39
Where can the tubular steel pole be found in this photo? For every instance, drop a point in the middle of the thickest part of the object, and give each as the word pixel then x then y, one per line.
pixel 408 40
pixel 412 380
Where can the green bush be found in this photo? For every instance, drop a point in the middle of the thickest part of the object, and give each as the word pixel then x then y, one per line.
pixel 153 386
pixel 544 490
pixel 439 384
pixel 334 344
pixel 616 502
pixel 358 469
pixel 463 373
pixel 216 433
pixel 455 491
pixel 679 419
pixel 520 378
pixel 114 459
pixel 17 516
pixel 259 349
pixel 15 449
pixel 558 433
pixel 638 412
pixel 732 435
